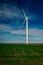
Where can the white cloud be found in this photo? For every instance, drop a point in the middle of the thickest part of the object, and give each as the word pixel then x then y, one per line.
pixel 32 32
pixel 37 35
pixel 18 32
pixel 5 28
pixel 36 40
pixel 9 11
pixel 36 32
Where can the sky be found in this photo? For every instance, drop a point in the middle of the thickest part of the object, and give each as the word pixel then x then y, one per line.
pixel 12 29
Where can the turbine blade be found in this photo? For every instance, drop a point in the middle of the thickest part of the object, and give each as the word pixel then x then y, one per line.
pixel 23 23
pixel 24 13
pixel 29 18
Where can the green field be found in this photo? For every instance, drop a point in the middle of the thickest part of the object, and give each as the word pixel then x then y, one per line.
pixel 21 54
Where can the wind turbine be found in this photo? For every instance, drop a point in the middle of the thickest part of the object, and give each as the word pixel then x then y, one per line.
pixel 26 19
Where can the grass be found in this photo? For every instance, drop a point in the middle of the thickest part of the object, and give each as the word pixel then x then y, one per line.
pixel 21 54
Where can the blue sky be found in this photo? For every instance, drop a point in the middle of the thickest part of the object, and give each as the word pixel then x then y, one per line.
pixel 12 18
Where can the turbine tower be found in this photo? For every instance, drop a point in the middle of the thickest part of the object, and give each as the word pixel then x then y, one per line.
pixel 26 19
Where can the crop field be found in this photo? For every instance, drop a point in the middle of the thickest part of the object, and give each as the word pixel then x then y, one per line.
pixel 21 54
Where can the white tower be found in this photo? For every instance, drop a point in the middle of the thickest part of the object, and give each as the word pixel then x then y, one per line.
pixel 26 19
pixel 27 30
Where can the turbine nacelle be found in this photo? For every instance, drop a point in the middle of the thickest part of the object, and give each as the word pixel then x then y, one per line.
pixel 26 18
